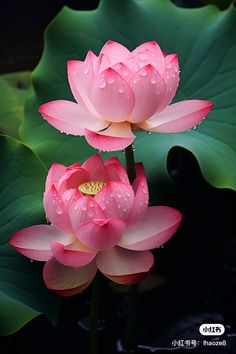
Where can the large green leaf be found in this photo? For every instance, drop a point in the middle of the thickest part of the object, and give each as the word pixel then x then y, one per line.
pixel 23 295
pixel 206 43
pixel 14 89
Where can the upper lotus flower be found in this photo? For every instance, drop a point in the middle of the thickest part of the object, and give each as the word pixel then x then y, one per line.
pixel 98 220
pixel 120 91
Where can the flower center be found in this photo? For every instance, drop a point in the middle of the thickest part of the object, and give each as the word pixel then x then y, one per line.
pixel 91 187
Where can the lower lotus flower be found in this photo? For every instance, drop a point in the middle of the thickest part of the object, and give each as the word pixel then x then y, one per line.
pixel 98 221
pixel 120 91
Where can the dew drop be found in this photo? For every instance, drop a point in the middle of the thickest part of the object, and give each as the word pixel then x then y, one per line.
pixel 167 77
pixel 124 210
pixel 144 191
pixel 59 211
pixel 143 56
pixel 118 66
pixel 143 73
pixel 125 73
pixel 107 201
pixel 119 196
pixel 128 195
pixel 121 89
pixel 158 92
pixel 135 81
pixel 153 80
pixel 84 208
pixel 169 66
pixel 110 80
pixel 102 83
pixel 149 133
pixel 176 70
pixel 86 71
pixel 68 198
pixel 91 205
pixel 31 261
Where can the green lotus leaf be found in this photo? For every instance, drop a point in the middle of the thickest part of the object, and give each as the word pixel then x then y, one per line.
pixel 23 295
pixel 14 89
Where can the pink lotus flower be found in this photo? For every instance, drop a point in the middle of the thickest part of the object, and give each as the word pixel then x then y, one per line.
pixel 120 91
pixel 98 220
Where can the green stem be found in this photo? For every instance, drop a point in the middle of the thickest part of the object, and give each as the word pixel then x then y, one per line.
pixel 129 342
pixel 95 297
pixel 130 164
pixel 130 337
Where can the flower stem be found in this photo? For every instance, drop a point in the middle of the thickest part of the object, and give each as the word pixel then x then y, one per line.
pixel 130 337
pixel 130 164
pixel 95 297
pixel 129 342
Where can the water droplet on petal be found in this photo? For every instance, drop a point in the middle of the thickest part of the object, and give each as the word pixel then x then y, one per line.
pixel 149 133
pixel 143 56
pixel 121 89
pixel 86 71
pixel 153 80
pixel 158 92
pixel 84 208
pixel 169 66
pixel 143 73
pixel 118 66
pixel 125 73
pixel 110 80
pixel 31 261
pixel 68 198
pixel 135 81
pixel 59 210
pixel 176 70
pixel 102 83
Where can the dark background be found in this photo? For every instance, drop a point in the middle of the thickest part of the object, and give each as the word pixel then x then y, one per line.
pixel 193 281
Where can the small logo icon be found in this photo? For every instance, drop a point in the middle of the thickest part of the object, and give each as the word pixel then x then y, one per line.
pixel 211 329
